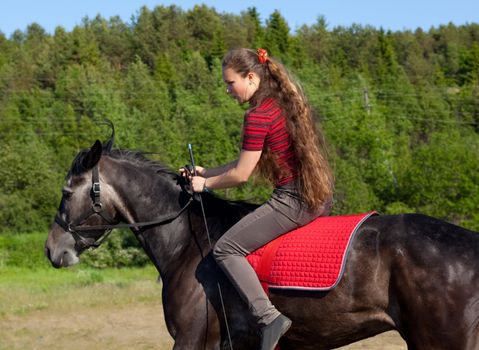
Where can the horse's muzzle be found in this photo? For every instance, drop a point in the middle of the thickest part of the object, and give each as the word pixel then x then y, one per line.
pixel 60 248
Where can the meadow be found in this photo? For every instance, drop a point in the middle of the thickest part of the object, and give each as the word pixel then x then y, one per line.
pixel 76 308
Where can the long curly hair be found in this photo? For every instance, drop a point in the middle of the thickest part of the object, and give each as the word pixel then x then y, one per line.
pixel 315 178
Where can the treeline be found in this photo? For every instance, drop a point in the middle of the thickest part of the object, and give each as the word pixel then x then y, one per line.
pixel 400 110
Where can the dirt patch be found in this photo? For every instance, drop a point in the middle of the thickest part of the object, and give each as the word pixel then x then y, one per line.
pixel 137 326
pixel 385 341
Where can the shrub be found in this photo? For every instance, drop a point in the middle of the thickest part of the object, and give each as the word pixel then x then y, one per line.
pixel 27 250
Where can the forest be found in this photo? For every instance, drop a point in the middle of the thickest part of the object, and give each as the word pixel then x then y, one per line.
pixel 399 109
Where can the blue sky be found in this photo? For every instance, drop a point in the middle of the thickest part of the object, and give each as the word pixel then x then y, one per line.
pixel 389 14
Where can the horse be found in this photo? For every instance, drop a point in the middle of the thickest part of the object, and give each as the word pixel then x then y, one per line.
pixel 411 273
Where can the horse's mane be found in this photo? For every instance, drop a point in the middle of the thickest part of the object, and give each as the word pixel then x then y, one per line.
pixel 138 158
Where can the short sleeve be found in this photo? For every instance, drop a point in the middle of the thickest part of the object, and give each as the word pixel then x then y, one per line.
pixel 256 127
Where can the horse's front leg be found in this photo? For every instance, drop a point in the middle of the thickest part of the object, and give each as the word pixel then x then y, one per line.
pixel 196 332
pixel 191 320
pixel 199 334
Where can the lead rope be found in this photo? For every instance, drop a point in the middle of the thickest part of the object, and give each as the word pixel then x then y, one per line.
pixel 211 248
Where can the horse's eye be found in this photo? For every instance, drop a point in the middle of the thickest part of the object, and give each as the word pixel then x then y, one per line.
pixel 67 194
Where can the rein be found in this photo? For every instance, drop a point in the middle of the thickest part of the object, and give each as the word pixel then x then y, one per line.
pixel 192 171
pixel 97 209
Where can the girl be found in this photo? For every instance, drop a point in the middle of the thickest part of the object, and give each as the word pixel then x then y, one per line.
pixel 280 139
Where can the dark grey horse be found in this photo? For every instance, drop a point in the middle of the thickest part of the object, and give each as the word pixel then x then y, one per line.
pixel 411 273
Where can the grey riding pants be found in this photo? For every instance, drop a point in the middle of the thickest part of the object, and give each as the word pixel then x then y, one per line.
pixel 283 212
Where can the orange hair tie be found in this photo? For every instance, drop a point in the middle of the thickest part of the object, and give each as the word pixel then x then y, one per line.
pixel 262 55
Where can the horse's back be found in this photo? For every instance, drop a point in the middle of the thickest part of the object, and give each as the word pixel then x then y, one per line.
pixel 433 287
pixel 422 235
pixel 421 248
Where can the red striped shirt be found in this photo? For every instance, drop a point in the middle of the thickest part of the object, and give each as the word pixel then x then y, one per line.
pixel 266 125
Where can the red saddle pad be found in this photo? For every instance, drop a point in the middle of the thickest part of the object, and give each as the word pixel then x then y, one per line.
pixel 311 257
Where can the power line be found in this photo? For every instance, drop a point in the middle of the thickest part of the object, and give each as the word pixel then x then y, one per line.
pixel 80 133
pixel 359 90
pixel 324 115
pixel 342 97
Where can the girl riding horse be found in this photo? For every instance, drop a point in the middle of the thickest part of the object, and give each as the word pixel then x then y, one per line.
pixel 281 140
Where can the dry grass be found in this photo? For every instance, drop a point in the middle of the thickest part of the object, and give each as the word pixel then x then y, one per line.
pixel 80 309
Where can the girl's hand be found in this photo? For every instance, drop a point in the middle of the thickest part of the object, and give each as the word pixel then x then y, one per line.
pixel 199 170
pixel 198 183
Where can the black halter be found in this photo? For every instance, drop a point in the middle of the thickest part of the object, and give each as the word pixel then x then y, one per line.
pixel 97 209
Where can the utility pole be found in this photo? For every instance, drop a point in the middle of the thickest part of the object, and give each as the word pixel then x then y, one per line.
pixel 367 106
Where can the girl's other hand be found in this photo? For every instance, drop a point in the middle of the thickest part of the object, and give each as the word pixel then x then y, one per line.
pixel 198 183
pixel 199 170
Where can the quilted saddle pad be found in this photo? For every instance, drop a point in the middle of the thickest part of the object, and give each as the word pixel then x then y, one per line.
pixel 311 257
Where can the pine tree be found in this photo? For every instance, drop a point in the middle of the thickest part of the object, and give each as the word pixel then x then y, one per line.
pixel 277 39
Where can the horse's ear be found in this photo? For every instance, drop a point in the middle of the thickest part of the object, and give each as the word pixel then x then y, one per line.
pixel 93 156
pixel 109 144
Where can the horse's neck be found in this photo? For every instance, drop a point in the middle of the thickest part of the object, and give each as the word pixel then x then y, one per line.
pixel 147 196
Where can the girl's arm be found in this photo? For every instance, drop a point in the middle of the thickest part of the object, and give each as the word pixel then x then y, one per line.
pixel 210 172
pixel 235 174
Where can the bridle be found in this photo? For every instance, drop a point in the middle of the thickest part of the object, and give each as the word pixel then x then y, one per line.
pixel 77 226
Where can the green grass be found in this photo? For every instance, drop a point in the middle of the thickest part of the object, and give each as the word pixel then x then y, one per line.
pixel 23 290
pixel 49 278
pixel 23 250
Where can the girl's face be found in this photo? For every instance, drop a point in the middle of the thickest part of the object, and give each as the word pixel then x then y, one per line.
pixel 238 87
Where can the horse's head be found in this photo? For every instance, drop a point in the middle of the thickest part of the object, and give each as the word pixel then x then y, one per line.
pixel 82 212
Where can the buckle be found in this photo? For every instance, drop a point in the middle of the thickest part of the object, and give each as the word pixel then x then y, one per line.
pixel 96 188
